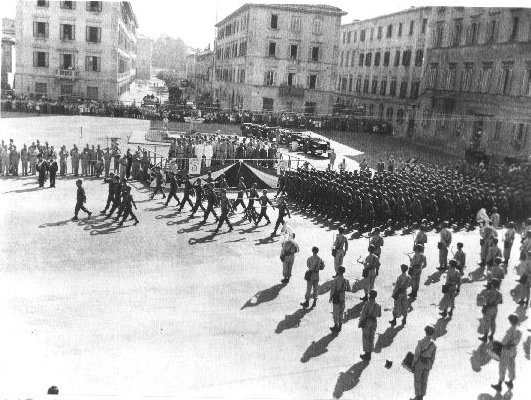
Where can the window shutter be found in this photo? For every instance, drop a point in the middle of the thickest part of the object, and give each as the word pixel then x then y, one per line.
pixel 316 82
pixel 310 53
pixel 308 81
pixel 510 81
pixel 265 77
pixel 98 60
pixel 267 49
pixel 74 61
pixel 99 35
pixel 46 59
pixel 61 36
pixel 35 29
pixel 320 54
pixel 35 59
pixel 275 78
pixel 87 58
pixel 46 28
pixel 500 83
pixel 87 33
pixel 74 30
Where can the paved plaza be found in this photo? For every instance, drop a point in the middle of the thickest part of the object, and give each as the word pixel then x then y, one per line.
pixel 168 309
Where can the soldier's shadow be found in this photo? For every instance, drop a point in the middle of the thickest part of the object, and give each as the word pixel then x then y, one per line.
pixel 498 396
pixel 111 230
pixel 155 208
pixel 386 339
pixel 440 327
pixel 480 357
pixel 263 296
pixel 349 379
pixel 358 285
pixel 192 228
pixel 33 189
pixel 252 229
pixel 433 278
pixel 318 348
pixel 292 321
pixel 52 224
pixel 325 287
pixel 475 276
pixel 266 240
pixel 205 239
pixel 353 313
pixel 172 215
pixel 177 222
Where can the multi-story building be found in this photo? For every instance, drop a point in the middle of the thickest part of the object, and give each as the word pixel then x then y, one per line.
pixel 477 88
pixel 75 49
pixel 380 67
pixel 144 52
pixel 203 71
pixel 278 57
pixel 8 42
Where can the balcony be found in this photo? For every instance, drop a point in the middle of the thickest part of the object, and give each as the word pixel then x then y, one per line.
pixel 67 73
pixel 290 91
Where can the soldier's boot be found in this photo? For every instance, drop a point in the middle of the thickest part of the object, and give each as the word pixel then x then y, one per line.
pixel 305 304
pixel 491 337
pixel 451 312
pixel 334 328
pixel 509 385
pixel 364 298
pixel 366 356
pixel 393 321
pixel 339 327
pixel 404 320
pixel 413 294
pixel 443 314
pixel 497 387
pixel 136 221
pixel 483 338
pixel 314 302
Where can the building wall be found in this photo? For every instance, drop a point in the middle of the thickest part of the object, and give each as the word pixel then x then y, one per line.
pixel 265 75
pixel 112 49
pixel 477 88
pixel 203 71
pixel 144 53
pixel 8 50
pixel 365 86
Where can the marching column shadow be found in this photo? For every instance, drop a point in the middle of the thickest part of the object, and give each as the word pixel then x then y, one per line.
pixel 263 296
pixel 52 224
pixel 205 239
pixel 318 348
pixel 353 313
pixel 292 321
pixel 325 287
pixel 480 357
pixel 386 339
pixel 349 379
pixel 440 327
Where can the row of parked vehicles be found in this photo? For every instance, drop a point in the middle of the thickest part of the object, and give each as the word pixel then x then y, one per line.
pixel 307 142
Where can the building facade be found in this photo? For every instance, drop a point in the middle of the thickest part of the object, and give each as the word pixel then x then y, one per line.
pixel 477 88
pixel 8 51
pixel 280 57
pixel 70 49
pixel 202 78
pixel 144 52
pixel 381 65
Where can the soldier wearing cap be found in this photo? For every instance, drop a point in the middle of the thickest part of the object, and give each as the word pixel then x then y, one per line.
pixel 157 176
pixel 264 201
pixel 508 354
pixel 453 280
pixel 399 296
pixel 225 207
pixel 508 240
pixel 283 210
pixel 173 189
pixel 314 265
pixel 188 191
pixel 241 190
pixel 423 362
pixel 370 265
pixel 287 256
pixel 421 237
pixel 340 248
pixel 377 242
pixel 128 203
pixel 444 244
pixel 493 253
pixel 368 322
pixel 491 299
pixel 417 264
pixel 112 187
pixel 211 202
pixel 80 200
pixel 337 298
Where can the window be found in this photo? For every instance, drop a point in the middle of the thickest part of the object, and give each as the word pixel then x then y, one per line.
pixel 492 32
pixel 456 38
pixel 272 49
pixel 380 29
pixel 93 34
pixel 42 3
pixel 390 113
pixel 415 86
pixel 361 59
pixel 392 88
pixel 67 5
pixel 94 6
pixel 397 58
pixel 424 25
pixel 66 61
pixel 400 116
pixel 317 26
pixel 497 131
pixel 344 84
pixel 526 90
pixel 274 21
pixel 400 29
pixel 358 84
pixel 355 37
pixel 403 89
pixel 92 63
pixel 374 87
pixel 40 29
pixel 432 76
pixel 406 58
pixel 506 79
pixel 312 81
pixel 296 24
pixel 366 85
pixel 348 36
pixel 466 82
pixel 92 92
pixel 341 59
pixel 368 59
pixel 315 54
pixel 362 35
pixel 472 34
pixel 383 87
pixel 310 107
pixel 67 32
pixel 267 104
pixel 450 78
pixel 270 78
pixel 344 37
pixel 439 33
pixel 352 58
pixel 293 50
pixel 41 88
pixel 419 55
pixel 389 31
pixel 377 56
pixel 411 27
pixel 40 59
pixel 514 32
pixel 67 89
pixel 387 56
pixel 372 34
pixel 350 82
pixel 291 78
pixel 484 78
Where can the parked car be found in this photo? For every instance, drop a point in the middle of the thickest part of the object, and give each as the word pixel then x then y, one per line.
pixel 317 146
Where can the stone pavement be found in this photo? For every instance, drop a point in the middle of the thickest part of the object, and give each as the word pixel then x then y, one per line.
pixel 166 308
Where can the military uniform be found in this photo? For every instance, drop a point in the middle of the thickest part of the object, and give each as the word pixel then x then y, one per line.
pixel 287 256
pixel 422 364
pixel 368 322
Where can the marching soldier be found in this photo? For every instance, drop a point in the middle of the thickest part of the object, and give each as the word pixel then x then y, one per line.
pixel 173 189
pixel 417 264
pixel 444 244
pixel 80 200
pixel 314 265
pixel 225 208
pixel 264 201
pixel 198 197
pixel 337 298
pixel 112 187
pixel 241 190
pixel 508 242
pixel 340 248
pixel 368 322
pixel 508 354
pixel 158 178
pixel 211 202
pixel 52 168
pixel 460 257
pixel 250 211
pixel 287 256
pixel 370 266
pixel 453 280
pixel 399 296
pixel 128 202
pixel 188 191
pixel 377 241
pixel 282 211
pixel 117 195
pixel 492 298
pixel 421 237
pixel 423 362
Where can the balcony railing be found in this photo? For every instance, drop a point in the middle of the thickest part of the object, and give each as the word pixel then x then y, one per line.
pixel 67 73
